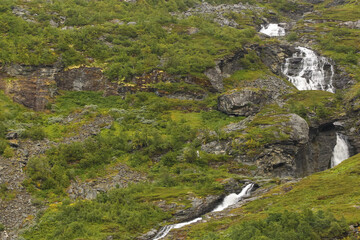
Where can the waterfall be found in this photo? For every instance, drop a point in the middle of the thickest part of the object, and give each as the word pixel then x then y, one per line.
pixel 233 198
pixel 307 71
pixel 273 30
pixel 341 150
pixel 166 229
pixel 229 200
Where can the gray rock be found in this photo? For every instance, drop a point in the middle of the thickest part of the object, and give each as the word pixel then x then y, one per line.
pixel 350 24
pixel 248 100
pixel 239 126
pixel 149 235
pixel 216 147
pixel 224 68
pixel 245 102
pixel 199 207
pixel 12 135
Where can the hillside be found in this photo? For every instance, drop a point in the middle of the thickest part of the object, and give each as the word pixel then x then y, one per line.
pixel 136 119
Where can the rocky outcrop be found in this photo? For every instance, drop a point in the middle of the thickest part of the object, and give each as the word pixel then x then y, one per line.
pixel 317 155
pixel 219 12
pixel 28 85
pixel 199 206
pixel 224 68
pixel 81 79
pixel 89 190
pixel 244 102
pixel 274 55
pixel 305 150
pixel 351 24
pixel 248 100
pixel 277 158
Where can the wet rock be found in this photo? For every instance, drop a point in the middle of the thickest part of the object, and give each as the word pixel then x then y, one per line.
pixel 199 207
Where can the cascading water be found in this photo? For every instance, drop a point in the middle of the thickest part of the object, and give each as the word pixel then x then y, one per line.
pixel 341 150
pixel 233 198
pixel 307 71
pixel 229 200
pixel 273 30
pixel 166 229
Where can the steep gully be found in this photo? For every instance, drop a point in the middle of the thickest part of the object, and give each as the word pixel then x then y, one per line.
pixel 315 73
pixel 228 201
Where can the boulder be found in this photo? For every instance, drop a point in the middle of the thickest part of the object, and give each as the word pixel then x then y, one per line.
pixel 248 100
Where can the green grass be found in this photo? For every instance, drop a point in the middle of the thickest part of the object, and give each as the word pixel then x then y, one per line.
pixel 332 190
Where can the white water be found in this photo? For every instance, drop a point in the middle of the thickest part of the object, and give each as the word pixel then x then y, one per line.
pixel 341 150
pixel 312 75
pixel 273 30
pixel 166 229
pixel 229 200
pixel 234 198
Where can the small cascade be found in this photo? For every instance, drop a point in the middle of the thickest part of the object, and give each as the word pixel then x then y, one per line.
pixel 166 229
pixel 307 71
pixel 273 30
pixel 233 198
pixel 229 200
pixel 341 150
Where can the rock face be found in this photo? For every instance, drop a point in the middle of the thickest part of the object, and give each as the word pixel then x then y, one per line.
pixel 306 150
pixel 248 100
pixel 224 68
pixel 277 159
pixel 244 102
pixel 317 155
pixel 274 55
pixel 31 86
pixel 81 79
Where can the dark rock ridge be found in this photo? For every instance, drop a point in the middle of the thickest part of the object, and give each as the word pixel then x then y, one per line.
pixel 249 99
pixel 308 149
pixel 317 153
pixel 36 86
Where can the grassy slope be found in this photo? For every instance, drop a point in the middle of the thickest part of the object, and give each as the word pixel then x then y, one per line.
pixel 334 190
